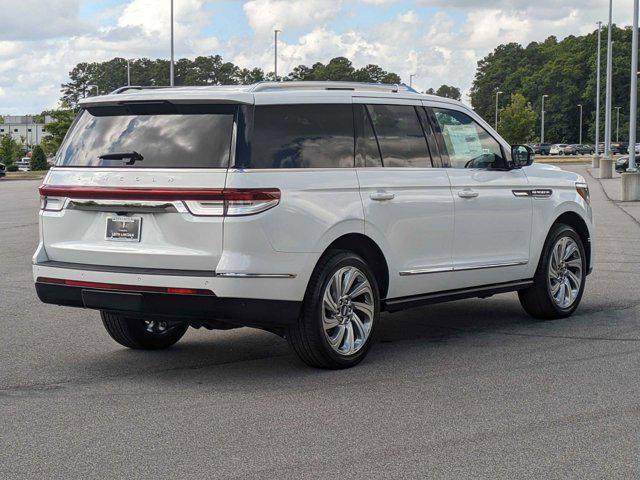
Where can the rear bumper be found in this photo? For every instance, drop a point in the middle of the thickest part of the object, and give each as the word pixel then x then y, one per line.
pixel 239 311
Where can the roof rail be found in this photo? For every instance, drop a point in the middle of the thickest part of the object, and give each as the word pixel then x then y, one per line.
pixel 136 87
pixel 331 85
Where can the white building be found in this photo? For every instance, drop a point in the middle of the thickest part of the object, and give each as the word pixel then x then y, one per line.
pixel 23 129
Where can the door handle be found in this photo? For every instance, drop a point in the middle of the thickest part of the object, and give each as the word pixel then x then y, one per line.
pixel 467 193
pixel 381 196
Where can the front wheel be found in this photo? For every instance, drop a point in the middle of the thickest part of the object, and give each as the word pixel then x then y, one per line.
pixel 560 278
pixel 142 334
pixel 339 315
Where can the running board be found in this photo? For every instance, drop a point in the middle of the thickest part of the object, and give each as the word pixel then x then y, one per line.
pixel 403 303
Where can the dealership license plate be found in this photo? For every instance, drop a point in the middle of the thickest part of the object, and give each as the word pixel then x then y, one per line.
pixel 124 229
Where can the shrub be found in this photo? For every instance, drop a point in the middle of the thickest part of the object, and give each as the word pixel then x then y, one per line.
pixel 38 159
pixel 12 167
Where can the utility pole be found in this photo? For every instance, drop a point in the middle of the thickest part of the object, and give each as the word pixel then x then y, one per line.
pixel 171 67
pixel 580 136
pixel 596 159
pixel 275 55
pixel 633 109
pixel 498 92
pixel 542 120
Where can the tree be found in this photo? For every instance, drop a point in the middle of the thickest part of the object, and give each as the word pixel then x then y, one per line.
pixel 9 150
pixel 62 120
pixel 38 159
pixel 517 120
pixel 445 91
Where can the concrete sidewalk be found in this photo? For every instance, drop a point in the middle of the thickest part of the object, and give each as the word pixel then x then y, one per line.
pixel 613 190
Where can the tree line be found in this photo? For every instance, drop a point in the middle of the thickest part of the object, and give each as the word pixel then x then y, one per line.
pixel 566 71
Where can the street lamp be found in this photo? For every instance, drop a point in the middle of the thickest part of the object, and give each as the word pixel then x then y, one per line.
pixel 89 87
pixel 171 66
pixel 618 123
pixel 607 121
pixel 542 120
pixel 596 160
pixel 275 55
pixel 128 73
pixel 580 136
pixel 498 92
pixel 411 80
pixel 634 91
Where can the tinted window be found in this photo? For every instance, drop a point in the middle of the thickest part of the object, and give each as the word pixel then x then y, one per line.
pixel 166 136
pixel 467 143
pixel 400 136
pixel 302 136
pixel 367 150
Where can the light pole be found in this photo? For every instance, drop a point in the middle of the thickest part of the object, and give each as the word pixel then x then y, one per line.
pixel 128 73
pixel 275 54
pixel 498 92
pixel 89 87
pixel 411 80
pixel 634 92
pixel 542 120
pixel 580 136
pixel 596 159
pixel 607 113
pixel 171 67
pixel 618 123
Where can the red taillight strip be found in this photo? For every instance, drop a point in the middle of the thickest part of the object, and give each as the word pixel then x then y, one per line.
pixel 127 288
pixel 166 194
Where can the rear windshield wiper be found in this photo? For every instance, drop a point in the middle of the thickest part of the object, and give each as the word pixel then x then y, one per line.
pixel 132 157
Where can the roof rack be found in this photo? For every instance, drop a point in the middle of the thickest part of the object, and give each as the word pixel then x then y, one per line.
pixel 331 85
pixel 120 90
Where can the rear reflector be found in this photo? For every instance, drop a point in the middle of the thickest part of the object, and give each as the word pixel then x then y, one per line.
pixel 199 201
pixel 126 288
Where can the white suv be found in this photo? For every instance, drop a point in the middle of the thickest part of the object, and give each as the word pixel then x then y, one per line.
pixel 301 208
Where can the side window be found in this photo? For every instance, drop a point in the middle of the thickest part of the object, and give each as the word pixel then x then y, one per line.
pixel 400 136
pixel 468 145
pixel 302 136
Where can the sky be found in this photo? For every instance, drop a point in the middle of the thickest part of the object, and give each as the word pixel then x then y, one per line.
pixel 440 41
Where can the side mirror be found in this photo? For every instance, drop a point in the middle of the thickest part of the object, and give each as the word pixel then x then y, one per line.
pixel 521 156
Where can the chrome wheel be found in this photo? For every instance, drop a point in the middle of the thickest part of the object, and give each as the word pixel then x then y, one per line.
pixel 157 327
pixel 347 310
pixel 565 272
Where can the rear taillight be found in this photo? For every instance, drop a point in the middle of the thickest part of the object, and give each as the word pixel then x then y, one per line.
pixel 199 201
pixel 123 288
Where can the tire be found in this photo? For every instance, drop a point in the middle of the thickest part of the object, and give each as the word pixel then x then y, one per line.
pixel 539 300
pixel 141 334
pixel 321 324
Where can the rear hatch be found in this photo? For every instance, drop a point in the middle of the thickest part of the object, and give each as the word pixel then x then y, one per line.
pixel 140 186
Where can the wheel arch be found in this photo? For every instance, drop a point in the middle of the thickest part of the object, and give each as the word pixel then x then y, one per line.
pixel 575 221
pixel 369 250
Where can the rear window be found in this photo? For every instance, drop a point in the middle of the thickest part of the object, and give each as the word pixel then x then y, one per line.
pixel 302 136
pixel 162 135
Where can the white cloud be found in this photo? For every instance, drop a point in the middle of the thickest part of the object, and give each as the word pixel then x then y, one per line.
pixel 266 15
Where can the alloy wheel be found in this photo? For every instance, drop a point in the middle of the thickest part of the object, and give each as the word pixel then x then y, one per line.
pixel 565 272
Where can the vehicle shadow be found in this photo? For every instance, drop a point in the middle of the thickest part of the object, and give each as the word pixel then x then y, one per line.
pixel 248 356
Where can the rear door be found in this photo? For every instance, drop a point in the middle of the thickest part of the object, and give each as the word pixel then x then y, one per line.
pixel 407 200
pixel 493 212
pixel 139 186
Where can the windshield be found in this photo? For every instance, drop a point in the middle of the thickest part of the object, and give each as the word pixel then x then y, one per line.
pixel 150 135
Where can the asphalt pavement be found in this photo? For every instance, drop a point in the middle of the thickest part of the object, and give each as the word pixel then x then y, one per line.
pixel 473 389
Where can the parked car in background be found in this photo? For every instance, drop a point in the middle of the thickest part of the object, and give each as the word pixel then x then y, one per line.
pixel 578 149
pixel 622 163
pixel 541 148
pixel 3 169
pixel 557 149
pixel 24 165
pixel 619 148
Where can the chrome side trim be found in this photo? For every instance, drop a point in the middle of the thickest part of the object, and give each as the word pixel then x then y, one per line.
pixel 138 206
pixel 425 271
pixel 255 275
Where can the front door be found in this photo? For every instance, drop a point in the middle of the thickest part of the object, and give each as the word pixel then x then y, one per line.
pixel 492 218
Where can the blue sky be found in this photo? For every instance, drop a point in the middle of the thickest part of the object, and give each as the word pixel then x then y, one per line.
pixel 438 40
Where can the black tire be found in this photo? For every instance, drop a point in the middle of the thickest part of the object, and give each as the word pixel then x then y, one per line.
pixel 537 300
pixel 133 333
pixel 307 336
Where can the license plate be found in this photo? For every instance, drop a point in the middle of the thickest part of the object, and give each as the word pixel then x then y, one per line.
pixel 124 229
